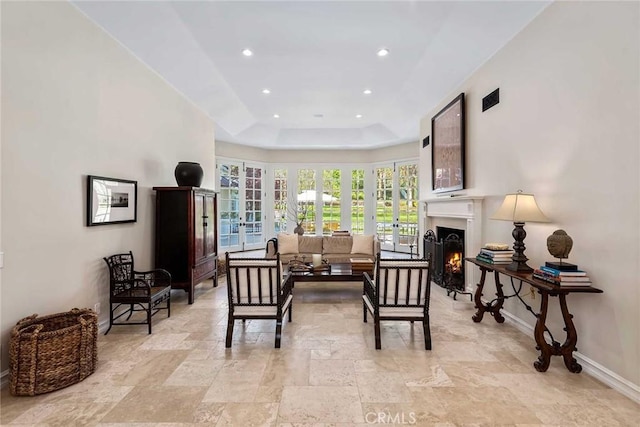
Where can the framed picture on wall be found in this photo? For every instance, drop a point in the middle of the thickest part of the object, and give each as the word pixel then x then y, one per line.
pixel 111 200
pixel 447 147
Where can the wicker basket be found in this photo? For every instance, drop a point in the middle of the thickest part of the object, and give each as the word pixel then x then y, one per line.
pixel 51 352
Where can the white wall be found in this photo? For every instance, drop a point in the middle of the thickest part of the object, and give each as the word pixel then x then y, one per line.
pixel 74 102
pixel 244 152
pixel 567 130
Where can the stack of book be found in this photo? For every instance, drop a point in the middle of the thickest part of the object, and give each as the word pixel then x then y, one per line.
pixel 564 277
pixel 341 233
pixel 360 265
pixel 495 256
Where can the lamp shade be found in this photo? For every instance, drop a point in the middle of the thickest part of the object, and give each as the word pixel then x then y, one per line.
pixel 520 207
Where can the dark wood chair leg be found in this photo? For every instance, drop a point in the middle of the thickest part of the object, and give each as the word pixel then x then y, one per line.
pixel 377 332
pixel 290 312
pixel 364 312
pixel 229 331
pixel 278 332
pixel 149 308
pixel 169 307
pixel 427 333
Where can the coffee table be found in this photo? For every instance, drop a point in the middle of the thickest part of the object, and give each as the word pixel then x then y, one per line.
pixel 340 272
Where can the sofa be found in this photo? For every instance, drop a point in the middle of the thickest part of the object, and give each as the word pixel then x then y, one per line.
pixel 333 248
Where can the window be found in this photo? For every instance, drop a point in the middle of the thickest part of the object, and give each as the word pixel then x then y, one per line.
pixel 408 203
pixel 384 204
pixel 229 205
pixel 280 200
pixel 253 205
pixel 331 200
pixel 361 198
pixel 306 199
pixel 357 201
pixel 397 206
pixel 240 205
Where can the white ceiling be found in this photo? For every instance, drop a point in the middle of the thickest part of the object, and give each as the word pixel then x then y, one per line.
pixel 316 57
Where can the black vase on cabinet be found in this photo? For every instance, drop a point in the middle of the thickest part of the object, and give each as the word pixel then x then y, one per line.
pixel 189 174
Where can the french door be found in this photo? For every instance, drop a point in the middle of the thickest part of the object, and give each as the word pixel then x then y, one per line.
pixel 241 204
pixel 396 199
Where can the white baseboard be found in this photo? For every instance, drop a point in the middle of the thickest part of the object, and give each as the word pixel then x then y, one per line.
pixel 596 370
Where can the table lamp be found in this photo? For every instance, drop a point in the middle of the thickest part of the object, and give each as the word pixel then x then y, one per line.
pixel 519 208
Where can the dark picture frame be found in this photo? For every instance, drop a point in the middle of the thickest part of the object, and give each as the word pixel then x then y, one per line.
pixel 448 147
pixel 111 200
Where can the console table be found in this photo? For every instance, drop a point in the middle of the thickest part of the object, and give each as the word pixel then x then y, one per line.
pixel 545 290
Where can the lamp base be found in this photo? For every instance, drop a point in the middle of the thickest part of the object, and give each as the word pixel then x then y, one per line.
pixel 518 259
pixel 519 266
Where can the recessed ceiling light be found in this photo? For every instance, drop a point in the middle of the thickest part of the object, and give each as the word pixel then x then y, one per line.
pixel 383 52
pixel 358 116
pixel 248 52
pixel 276 116
pixel 367 91
pixel 266 91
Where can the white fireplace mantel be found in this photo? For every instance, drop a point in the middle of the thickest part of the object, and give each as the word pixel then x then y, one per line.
pixel 467 211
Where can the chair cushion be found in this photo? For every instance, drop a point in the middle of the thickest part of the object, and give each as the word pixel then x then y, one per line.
pixel 337 244
pixel 261 310
pixel 310 244
pixel 362 244
pixel 392 312
pixel 287 243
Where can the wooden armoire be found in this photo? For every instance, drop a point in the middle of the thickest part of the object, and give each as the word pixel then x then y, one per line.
pixel 186 237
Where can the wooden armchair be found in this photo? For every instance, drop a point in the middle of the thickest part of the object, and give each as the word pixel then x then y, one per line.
pixel 400 290
pixel 257 290
pixel 139 290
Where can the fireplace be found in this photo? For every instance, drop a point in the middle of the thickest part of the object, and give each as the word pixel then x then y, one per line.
pixel 446 247
pixel 462 213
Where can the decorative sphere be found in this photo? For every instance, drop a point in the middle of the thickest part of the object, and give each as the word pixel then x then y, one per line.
pixel 559 244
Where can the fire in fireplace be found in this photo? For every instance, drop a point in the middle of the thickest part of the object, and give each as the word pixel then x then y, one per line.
pixel 446 247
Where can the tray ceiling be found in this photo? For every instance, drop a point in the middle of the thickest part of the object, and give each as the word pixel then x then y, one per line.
pixel 316 58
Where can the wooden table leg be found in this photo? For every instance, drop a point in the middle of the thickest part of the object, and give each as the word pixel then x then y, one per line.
pixel 546 350
pixel 569 345
pixel 495 309
pixel 477 298
pixel 555 349
pixel 492 308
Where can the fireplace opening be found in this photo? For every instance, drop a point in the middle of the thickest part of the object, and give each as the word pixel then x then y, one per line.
pixel 446 246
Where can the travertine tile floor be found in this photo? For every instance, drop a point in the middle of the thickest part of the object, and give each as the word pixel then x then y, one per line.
pixel 327 373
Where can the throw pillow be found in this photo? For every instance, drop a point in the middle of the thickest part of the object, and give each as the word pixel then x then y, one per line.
pixel 287 243
pixel 362 244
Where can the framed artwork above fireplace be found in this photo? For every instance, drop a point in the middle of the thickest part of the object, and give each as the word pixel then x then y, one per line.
pixel 448 147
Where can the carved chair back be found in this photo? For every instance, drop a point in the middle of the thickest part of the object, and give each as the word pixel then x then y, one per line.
pixel 120 271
